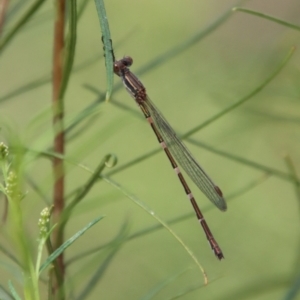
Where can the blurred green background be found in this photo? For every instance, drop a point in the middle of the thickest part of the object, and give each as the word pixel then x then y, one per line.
pixel 259 234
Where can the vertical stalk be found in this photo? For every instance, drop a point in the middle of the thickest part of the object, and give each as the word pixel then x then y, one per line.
pixel 3 9
pixel 59 141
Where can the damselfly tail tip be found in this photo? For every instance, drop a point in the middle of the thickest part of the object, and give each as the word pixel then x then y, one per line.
pixel 220 255
pixel 215 248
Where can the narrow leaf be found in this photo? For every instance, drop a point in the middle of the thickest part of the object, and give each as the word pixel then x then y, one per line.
pixel 164 224
pixel 70 46
pixel 29 13
pixel 268 17
pixel 107 41
pixel 95 279
pixel 13 291
pixel 66 244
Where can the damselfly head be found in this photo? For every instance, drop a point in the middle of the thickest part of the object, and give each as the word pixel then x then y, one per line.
pixel 122 65
pixel 127 61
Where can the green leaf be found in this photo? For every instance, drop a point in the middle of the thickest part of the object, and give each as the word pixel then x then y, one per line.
pixel 108 51
pixel 70 46
pixel 66 244
pixel 13 291
pixel 94 281
pixel 23 20
pixel 163 223
pixel 268 17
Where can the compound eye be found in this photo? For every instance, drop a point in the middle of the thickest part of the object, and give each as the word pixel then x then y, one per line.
pixel 127 61
pixel 116 67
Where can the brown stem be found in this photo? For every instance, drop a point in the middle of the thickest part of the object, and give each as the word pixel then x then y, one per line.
pixel 59 142
pixel 3 9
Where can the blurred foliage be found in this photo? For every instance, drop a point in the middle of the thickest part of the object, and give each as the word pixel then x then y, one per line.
pixel 226 76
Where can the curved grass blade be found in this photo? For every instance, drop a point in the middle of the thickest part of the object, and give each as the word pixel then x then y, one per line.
pixel 267 17
pixel 140 204
pixel 67 243
pixel 155 216
pixel 175 220
pixel 190 215
pixel 107 41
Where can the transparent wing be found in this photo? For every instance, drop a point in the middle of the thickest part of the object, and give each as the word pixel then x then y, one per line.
pixel 185 159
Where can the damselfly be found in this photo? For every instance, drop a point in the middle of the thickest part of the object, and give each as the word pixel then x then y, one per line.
pixel 175 150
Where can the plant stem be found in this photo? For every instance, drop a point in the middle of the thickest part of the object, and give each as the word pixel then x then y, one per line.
pixel 59 142
pixel 3 11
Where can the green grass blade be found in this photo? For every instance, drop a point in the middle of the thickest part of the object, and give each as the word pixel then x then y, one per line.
pixel 234 195
pixel 256 288
pixel 244 99
pixel 294 176
pixel 94 281
pixel 4 293
pixel 157 218
pixel 161 59
pixel 81 8
pixel 267 17
pixel 8 253
pixel 114 102
pixel 37 189
pixel 67 243
pixel 90 183
pixel 294 290
pixel 88 111
pixel 107 41
pixel 70 46
pixel 13 291
pixel 244 161
pixel 23 20
pixel 121 236
pixel 82 192
pixel 42 80
pixel 26 88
